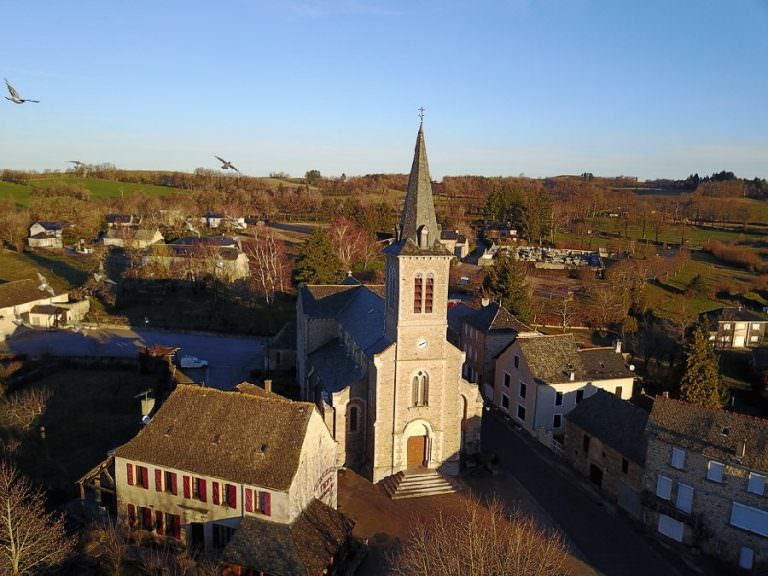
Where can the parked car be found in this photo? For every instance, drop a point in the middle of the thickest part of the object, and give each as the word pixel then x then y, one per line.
pixel 192 362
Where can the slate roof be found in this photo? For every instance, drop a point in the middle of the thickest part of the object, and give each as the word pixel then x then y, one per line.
pixel 335 368
pixel 449 235
pixel 324 301
pixel 718 434
pixel 50 225
pixel 47 309
pixel 732 314
pixel 188 251
pixel 119 218
pixel 302 548
pixel 552 358
pixel 615 422
pixel 224 241
pixel 602 363
pixel 496 317
pixel 20 292
pixel 456 315
pixel 234 436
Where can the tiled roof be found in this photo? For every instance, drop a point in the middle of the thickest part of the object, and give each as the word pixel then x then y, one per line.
pixel 335 368
pixel 615 422
pixel 718 434
pixel 304 547
pixel 551 359
pixel 234 436
pixel 495 317
pixel 602 363
pixel 20 292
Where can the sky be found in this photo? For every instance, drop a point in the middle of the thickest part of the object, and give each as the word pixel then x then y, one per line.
pixel 653 88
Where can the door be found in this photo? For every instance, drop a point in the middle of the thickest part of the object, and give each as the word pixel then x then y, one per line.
pixel 197 536
pixel 596 475
pixel 417 447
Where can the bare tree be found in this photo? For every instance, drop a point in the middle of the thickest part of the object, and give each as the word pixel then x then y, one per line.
pixel 24 407
pixel 483 542
pixel 111 545
pixel 270 272
pixel 13 224
pixel 31 539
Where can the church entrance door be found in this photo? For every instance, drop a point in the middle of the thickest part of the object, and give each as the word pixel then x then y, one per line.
pixel 417 449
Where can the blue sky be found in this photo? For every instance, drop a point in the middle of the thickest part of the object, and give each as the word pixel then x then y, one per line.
pixel 644 88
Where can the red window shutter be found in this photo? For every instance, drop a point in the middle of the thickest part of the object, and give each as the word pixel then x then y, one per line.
pixel 216 493
pixel 158 480
pixel 159 522
pixel 187 487
pixel 232 495
pixel 131 514
pixel 267 503
pixel 201 489
pixel 129 468
pixel 248 500
pixel 174 484
pixel 176 526
pixel 144 476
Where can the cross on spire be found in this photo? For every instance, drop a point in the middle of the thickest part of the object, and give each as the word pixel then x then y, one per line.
pixel 421 113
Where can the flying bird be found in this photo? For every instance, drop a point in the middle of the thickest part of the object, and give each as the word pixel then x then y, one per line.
pixel 44 286
pixel 15 98
pixel 77 163
pixel 226 165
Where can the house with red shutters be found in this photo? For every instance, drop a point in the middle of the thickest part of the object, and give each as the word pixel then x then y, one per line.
pixel 210 461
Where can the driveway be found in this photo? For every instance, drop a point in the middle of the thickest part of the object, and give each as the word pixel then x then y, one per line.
pixel 230 358
pixel 609 543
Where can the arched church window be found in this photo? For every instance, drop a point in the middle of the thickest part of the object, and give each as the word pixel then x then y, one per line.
pixel 354 419
pixel 420 389
pixel 428 294
pixel 418 285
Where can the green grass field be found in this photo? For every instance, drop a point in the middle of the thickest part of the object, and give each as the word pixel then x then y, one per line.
pixel 62 270
pixel 99 188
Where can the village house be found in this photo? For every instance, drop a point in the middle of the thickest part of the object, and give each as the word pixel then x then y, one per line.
pixel 735 328
pixel 605 442
pixel 121 220
pixel 705 481
pixel 46 235
pixel 541 378
pixel 128 237
pixel 22 302
pixel 212 219
pixel 376 360
pixel 455 243
pixel 210 461
pixel 194 257
pixel 484 334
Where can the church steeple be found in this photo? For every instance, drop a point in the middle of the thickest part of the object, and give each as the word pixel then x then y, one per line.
pixel 418 222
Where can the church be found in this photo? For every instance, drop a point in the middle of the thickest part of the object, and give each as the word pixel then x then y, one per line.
pixel 376 360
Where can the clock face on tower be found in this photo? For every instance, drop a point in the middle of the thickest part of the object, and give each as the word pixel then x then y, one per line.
pixel 421 343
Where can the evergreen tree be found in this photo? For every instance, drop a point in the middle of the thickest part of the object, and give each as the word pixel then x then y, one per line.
pixel 505 281
pixel 317 261
pixel 701 382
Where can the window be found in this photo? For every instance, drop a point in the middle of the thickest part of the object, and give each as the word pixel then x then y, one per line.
pixel 420 389
pixel 748 518
pixel 170 483
pixel 624 466
pixel 557 420
pixel 726 326
pixel 678 458
pixel 222 535
pixel 507 380
pixel 746 558
pixel 522 389
pixel 173 525
pixel 671 528
pixel 215 493
pixel 521 412
pixel 558 398
pixel 684 500
pixel 755 326
pixel 585 444
pixel 417 288
pixel 618 391
pixel 354 414
pixel 754 338
pixel 756 484
pixel 145 519
pixel 230 493
pixel 129 474
pixel 142 476
pixel 714 471
pixel 428 295
pixel 579 396
pixel 517 361
pixel 199 489
pixel 505 401
pixel 664 487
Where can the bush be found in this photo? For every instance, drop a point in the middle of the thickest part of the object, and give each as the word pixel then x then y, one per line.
pixel 743 256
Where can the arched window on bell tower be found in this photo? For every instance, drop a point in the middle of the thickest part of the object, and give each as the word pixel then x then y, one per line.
pixel 420 389
pixel 429 293
pixel 418 289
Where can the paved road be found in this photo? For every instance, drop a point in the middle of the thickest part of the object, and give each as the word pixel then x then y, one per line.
pixel 231 358
pixel 609 543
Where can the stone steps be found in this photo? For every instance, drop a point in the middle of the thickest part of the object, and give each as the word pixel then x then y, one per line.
pixel 417 484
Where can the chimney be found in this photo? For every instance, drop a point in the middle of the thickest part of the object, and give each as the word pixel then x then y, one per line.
pixel 618 346
pixel 742 449
pixel 665 394
pixel 484 302
pixel 268 385
pixel 572 376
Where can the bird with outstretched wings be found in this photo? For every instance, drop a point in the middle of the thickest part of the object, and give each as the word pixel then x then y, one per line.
pixel 15 98
pixel 226 164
